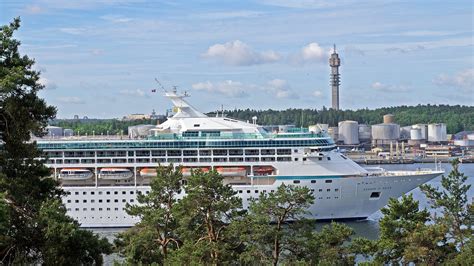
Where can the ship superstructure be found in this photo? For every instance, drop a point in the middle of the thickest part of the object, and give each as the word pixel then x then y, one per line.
pixel 101 176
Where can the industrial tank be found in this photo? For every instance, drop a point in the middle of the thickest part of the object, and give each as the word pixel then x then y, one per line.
pixel 349 132
pixel 54 131
pixel 68 132
pixel 365 133
pixel 437 132
pixel 424 130
pixel 388 119
pixel 333 132
pixel 415 134
pixel 405 132
pixel 383 134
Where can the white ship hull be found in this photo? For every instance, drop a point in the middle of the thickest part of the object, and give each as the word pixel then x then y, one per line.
pixel 343 198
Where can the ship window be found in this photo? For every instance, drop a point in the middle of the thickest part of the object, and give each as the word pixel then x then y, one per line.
pixel 68 209
pixel 100 210
pixel 77 201
pixel 304 159
pixel 124 192
pixel 320 158
pixel 84 193
pixel 248 191
pixel 328 181
pixel 273 190
pixel 124 200
pixel 329 158
pixel 92 209
pixel 147 192
pixel 328 189
pixel 108 192
pixel 336 189
pixel 100 201
pixel 375 195
pixel 313 181
pixel 84 201
pixel 76 193
pixel 92 192
pixel 69 192
pixel 296 181
pixel 320 197
pixel 131 192
pixel 116 209
pixel 100 192
pixel 132 200
pixel 116 200
pixel 77 209
pixel 295 150
pixel 108 209
pixel 92 201
pixel 115 192
pixel 68 201
pixel 296 159
pixel 84 209
pixel 197 125
pixel 108 200
pixel 256 191
pixel 240 191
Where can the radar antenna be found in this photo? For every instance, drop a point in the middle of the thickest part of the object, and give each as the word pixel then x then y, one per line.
pixel 161 86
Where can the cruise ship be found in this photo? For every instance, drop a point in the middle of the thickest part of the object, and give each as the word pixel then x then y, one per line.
pixel 100 176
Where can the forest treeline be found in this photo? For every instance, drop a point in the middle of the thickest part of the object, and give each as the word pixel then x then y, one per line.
pixel 456 117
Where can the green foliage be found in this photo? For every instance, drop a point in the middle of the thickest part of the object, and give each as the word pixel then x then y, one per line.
pixel 400 220
pixel 100 126
pixel 456 117
pixel 38 225
pixel 458 215
pixel 275 225
pixel 149 240
pixel 204 215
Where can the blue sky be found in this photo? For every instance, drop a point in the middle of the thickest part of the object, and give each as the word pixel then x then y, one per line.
pixel 99 58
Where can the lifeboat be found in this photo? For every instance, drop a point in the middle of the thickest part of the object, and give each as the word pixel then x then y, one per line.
pixel 148 172
pixel 187 170
pixel 115 173
pixel 263 170
pixel 232 171
pixel 75 174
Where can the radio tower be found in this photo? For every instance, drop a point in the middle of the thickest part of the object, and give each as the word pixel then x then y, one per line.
pixel 335 62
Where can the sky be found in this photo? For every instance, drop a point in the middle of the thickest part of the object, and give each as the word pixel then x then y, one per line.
pixel 100 58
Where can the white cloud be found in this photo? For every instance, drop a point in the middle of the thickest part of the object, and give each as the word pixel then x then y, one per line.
pixel 379 86
pixel 311 53
pixel 281 89
pixel 229 88
pixel 318 94
pixel 462 79
pixel 97 51
pixel 135 93
pixel 237 53
pixel 116 18
pixel 33 9
pixel 73 31
pixel 70 100
pixel 406 50
pixel 229 14
pixel 49 85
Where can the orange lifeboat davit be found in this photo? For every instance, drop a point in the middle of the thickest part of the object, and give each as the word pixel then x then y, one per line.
pixel 148 172
pixel 232 171
pixel 188 170
pixel 75 174
pixel 263 170
pixel 115 173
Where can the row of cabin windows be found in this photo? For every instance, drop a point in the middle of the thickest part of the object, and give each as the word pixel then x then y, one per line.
pixel 131 192
pixel 100 201
pixel 312 181
pixel 147 153
pixel 172 160
pixel 264 191
pixel 93 209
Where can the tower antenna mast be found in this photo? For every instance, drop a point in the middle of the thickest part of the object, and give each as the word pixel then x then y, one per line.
pixel 161 86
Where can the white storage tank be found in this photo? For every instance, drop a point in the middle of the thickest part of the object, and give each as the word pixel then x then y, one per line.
pixel 349 132
pixel 333 132
pixel 424 130
pixel 386 132
pixel 415 134
pixel 405 132
pixel 68 132
pixel 365 133
pixel 54 131
pixel 437 132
